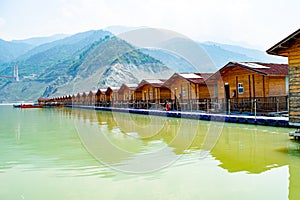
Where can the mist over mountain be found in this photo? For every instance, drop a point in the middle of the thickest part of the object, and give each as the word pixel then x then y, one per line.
pixel 62 64
pixel 36 41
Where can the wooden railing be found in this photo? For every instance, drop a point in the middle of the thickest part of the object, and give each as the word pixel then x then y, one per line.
pixel 240 105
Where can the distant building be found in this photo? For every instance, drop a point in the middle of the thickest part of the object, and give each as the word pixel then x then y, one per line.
pixel 290 47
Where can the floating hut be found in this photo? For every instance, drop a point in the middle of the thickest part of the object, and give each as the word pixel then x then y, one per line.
pixel 91 98
pixel 127 92
pixel 111 95
pixel 244 82
pixel 188 89
pixel 153 92
pixel 290 47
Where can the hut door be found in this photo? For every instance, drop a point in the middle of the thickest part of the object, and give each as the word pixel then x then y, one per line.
pixel 216 91
pixel 227 91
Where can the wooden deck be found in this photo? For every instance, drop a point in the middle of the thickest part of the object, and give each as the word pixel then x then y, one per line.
pixel 243 119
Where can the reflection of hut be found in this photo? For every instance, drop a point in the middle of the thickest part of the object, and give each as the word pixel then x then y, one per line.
pixel 252 151
pixel 189 89
pixel 153 92
pixel 245 81
pixel 290 47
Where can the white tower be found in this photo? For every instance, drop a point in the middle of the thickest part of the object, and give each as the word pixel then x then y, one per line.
pixel 16 72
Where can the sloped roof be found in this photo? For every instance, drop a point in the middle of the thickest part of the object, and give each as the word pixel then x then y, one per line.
pixel 267 69
pixel 284 44
pixel 132 86
pixel 197 78
pixel 264 68
pixel 152 82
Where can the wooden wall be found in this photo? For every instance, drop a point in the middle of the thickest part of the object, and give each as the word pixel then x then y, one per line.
pixel 255 85
pixel 294 83
pixel 186 90
pixel 155 93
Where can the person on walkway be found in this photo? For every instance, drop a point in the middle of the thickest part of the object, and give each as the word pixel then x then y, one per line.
pixel 168 106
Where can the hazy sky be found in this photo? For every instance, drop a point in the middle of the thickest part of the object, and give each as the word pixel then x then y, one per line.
pixel 253 23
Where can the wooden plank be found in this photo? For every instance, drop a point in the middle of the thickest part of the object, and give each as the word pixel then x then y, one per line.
pixel 253 82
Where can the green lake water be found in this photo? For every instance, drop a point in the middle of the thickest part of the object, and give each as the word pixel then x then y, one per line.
pixel 84 154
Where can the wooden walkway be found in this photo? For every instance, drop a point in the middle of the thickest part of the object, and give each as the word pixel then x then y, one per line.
pixel 243 119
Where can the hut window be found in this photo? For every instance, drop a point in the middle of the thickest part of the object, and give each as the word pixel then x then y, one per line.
pixel 183 92
pixel 240 88
pixel 150 94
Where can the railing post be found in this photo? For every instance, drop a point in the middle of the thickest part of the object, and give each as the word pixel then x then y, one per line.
pixel 228 106
pixel 255 109
pixel 277 105
pixel 207 106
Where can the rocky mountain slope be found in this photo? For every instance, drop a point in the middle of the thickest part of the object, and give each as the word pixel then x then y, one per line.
pixel 78 63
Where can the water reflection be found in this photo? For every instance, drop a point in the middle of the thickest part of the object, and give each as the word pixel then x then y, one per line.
pixel 39 139
pixel 240 148
pixel 58 139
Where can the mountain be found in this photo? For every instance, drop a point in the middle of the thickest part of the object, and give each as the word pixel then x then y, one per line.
pixel 36 41
pixel 110 63
pixel 221 54
pixel 97 59
pixel 216 54
pixel 11 50
pixel 79 63
pixel 116 30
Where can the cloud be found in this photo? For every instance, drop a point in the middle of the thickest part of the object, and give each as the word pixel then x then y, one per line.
pixel 2 21
pixel 231 21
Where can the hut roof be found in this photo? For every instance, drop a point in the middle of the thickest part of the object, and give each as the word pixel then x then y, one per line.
pixel 264 68
pixel 128 86
pixel 153 82
pixel 132 86
pixel 278 49
pixel 197 78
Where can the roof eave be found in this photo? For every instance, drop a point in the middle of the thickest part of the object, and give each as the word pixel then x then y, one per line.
pixel 275 50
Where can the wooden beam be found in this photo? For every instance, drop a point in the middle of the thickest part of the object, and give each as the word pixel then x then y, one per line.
pixel 249 80
pixel 236 87
pixel 253 84
pixel 263 81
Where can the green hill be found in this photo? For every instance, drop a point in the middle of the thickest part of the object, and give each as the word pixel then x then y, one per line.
pixel 78 63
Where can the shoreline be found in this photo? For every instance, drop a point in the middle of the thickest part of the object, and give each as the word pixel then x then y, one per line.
pixel 241 119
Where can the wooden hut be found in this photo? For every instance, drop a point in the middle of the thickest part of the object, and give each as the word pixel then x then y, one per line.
pixel 242 82
pixel 83 97
pixel 74 99
pixel 91 98
pixel 290 47
pixel 43 101
pixel 100 97
pixel 127 95
pixel 127 92
pixel 78 98
pixel 111 95
pixel 153 92
pixel 188 89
